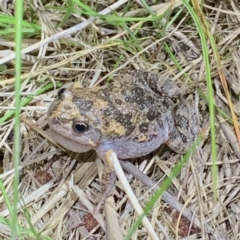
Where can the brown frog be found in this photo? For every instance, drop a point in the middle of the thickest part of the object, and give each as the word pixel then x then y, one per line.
pixel 131 116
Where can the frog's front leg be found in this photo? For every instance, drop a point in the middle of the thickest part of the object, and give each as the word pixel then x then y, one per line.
pixel 109 175
pixel 183 126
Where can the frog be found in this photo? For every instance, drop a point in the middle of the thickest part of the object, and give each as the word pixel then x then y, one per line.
pixel 131 115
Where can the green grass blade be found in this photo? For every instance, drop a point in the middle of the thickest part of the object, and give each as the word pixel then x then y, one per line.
pixel 68 13
pixel 17 139
pixel 200 30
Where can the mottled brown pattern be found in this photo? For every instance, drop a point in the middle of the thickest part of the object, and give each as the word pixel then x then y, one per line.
pixel 82 104
pixel 131 117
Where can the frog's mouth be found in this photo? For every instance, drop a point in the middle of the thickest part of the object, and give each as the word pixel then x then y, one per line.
pixel 69 143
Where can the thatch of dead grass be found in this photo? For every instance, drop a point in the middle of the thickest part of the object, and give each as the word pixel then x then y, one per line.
pixel 59 190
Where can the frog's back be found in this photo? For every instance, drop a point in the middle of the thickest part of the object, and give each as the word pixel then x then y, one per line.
pixel 129 117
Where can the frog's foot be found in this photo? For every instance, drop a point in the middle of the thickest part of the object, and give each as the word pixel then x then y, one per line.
pixel 107 185
pixel 183 127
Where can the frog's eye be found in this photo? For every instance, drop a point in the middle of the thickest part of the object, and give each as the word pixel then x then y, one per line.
pixel 80 127
pixel 60 92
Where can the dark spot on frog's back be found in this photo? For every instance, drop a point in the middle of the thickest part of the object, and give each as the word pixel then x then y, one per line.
pixel 108 112
pixel 151 115
pixel 137 91
pixel 150 100
pixel 130 129
pixel 124 119
pixel 134 94
pixel 107 124
pixel 105 93
pixel 143 127
pixel 118 101
pixel 83 104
